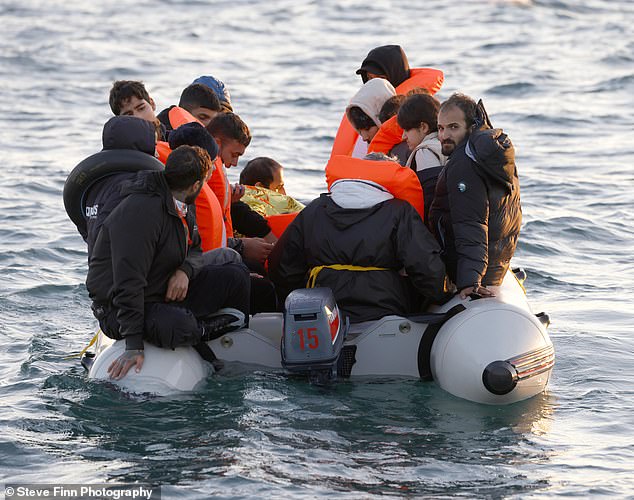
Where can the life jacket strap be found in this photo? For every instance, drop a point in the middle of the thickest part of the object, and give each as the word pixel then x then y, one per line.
pixel 314 272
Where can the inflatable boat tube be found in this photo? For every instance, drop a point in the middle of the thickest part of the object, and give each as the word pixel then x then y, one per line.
pixel 96 167
pixel 487 350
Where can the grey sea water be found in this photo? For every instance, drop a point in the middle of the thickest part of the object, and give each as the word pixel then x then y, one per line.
pixel 558 76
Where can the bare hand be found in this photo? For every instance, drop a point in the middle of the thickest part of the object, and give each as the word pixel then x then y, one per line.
pixel 256 249
pixel 237 192
pixel 477 289
pixel 177 286
pixel 120 366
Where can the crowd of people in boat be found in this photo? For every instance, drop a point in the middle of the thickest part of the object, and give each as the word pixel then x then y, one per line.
pixel 423 202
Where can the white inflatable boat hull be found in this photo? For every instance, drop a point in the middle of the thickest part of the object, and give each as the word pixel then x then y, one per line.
pixel 500 330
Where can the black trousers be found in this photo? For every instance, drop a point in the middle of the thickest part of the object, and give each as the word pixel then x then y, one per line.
pixel 175 324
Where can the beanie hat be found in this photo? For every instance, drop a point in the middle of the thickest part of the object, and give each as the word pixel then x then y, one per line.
pixel 219 88
pixel 194 134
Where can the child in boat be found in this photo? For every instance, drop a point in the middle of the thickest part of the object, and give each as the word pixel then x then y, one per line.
pixel 263 179
pixel 418 117
pixel 130 98
pixel 364 107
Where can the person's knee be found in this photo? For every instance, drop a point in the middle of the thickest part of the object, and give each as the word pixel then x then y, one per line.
pixel 170 326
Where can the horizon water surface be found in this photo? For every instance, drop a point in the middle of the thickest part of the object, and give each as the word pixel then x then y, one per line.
pixel 557 75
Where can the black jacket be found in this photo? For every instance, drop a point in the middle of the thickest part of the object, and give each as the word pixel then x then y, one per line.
pixel 476 212
pixel 389 234
pixel 247 221
pixel 120 132
pixel 139 247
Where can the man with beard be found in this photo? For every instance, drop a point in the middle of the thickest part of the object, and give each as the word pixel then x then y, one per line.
pixel 476 212
pixel 146 276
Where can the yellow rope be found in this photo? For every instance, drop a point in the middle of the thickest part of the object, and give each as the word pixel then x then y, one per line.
pixel 314 272
pixel 94 339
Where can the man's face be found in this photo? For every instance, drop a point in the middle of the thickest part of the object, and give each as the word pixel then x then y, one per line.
pixel 194 191
pixel 452 128
pixel 277 184
pixel 203 115
pixel 230 151
pixel 139 108
pixel 414 136
pixel 368 134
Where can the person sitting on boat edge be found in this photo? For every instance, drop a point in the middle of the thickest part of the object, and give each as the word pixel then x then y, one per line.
pixel 356 240
pixel 476 212
pixel 130 98
pixel 418 117
pixel 146 276
pixel 197 99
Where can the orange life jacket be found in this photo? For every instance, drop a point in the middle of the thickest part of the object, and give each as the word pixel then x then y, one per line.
pixel 279 222
pixel 389 135
pixel 163 149
pixel 179 116
pixel 210 221
pixel 427 78
pixel 219 184
pixel 401 182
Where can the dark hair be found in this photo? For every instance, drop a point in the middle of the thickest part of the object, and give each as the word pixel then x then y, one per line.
pixel 376 156
pixel 186 165
pixel 359 119
pixel 194 134
pixel 230 126
pixel 199 96
pixel 390 107
pixel 418 90
pixel 464 103
pixel 123 90
pixel 418 109
pixel 261 169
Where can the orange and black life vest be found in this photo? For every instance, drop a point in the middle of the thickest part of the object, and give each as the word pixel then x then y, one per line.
pixel 401 182
pixel 427 78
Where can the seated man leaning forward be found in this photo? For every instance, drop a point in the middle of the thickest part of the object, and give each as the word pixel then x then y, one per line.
pixel 476 212
pixel 146 276
pixel 357 240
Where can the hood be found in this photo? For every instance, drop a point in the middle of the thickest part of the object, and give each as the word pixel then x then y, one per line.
pixel 129 132
pixel 430 142
pixel 388 60
pixel 491 149
pixel 346 218
pixel 494 154
pixel 371 97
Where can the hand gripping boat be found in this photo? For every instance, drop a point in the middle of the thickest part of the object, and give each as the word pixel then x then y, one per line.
pixel 487 350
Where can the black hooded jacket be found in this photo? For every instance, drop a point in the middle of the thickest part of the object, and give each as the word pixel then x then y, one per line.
pixel 120 132
pixel 389 235
pixel 476 213
pixel 388 60
pixel 140 245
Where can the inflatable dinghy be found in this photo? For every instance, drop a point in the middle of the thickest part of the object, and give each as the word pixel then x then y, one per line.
pixel 487 350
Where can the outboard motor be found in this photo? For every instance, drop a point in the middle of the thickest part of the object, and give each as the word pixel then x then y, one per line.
pixel 313 334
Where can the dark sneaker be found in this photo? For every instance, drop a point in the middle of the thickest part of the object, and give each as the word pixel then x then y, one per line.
pixel 217 326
